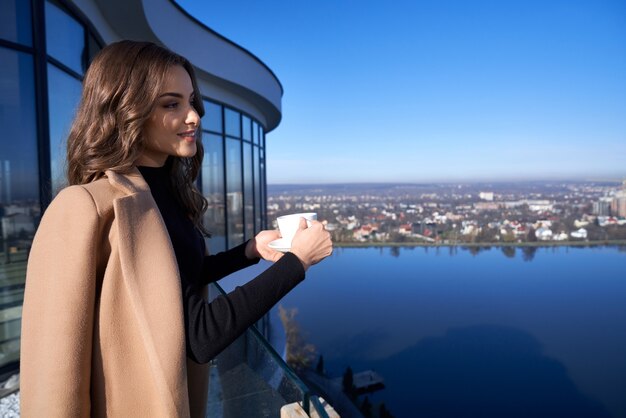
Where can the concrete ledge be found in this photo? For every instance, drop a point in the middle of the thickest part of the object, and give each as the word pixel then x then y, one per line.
pixel 295 410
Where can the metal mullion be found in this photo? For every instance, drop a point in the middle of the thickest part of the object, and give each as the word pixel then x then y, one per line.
pixel 263 175
pixel 65 68
pixel 255 227
pixel 15 46
pixel 85 54
pixel 41 102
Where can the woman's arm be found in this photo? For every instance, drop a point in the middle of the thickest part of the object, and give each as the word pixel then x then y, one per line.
pixel 211 327
pixel 215 325
pixel 222 264
pixel 58 312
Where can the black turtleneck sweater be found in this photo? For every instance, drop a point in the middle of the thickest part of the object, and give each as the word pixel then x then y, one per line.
pixel 211 327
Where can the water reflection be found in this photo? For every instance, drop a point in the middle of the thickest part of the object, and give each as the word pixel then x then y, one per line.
pixel 528 253
pixel 484 370
pixel 366 308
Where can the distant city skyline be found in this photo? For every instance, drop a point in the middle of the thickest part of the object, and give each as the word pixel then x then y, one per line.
pixel 423 91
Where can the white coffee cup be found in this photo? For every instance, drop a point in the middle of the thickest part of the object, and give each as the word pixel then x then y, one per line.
pixel 288 224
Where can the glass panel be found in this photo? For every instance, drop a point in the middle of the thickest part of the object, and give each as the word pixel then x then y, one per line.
pixel 257 188
pixel 19 192
pixel 63 95
pixel 251 369
pixel 212 119
pixel 213 190
pixel 248 190
pixel 15 21
pixel 232 123
pixel 65 38
pixel 247 128
pixel 255 132
pixel 234 195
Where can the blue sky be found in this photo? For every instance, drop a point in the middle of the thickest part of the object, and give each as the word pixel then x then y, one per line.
pixel 441 90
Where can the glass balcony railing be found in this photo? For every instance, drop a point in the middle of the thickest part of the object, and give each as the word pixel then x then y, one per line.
pixel 249 379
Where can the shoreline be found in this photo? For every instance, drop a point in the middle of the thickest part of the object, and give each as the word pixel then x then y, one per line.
pixel 606 243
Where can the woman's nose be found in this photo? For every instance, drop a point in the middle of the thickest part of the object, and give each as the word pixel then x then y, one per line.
pixel 192 117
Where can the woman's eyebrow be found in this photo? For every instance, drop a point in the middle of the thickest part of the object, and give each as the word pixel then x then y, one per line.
pixel 174 94
pixel 171 94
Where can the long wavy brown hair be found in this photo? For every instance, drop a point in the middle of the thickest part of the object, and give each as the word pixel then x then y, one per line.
pixel 120 91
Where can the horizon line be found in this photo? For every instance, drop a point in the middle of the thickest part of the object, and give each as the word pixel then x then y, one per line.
pixel 473 181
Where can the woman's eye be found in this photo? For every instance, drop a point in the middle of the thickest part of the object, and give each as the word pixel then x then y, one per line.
pixel 172 105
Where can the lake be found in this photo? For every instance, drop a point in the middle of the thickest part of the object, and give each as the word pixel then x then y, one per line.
pixel 513 332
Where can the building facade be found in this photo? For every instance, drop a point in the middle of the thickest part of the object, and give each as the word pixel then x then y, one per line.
pixel 45 49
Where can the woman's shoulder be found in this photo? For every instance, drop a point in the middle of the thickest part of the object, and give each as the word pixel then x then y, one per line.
pixel 98 194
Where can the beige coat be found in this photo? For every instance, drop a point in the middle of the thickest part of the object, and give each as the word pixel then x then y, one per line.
pixel 102 326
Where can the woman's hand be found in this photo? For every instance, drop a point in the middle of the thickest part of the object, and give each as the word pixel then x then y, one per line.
pixel 311 245
pixel 258 246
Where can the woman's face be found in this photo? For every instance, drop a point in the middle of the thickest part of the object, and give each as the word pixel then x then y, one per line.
pixel 171 128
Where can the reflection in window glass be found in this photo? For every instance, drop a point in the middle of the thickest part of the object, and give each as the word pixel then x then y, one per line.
pixel 255 133
pixel 247 130
pixel 212 119
pixel 257 188
pixel 19 191
pixel 15 21
pixel 232 123
pixel 234 192
pixel 248 197
pixel 213 190
pixel 65 37
pixel 63 95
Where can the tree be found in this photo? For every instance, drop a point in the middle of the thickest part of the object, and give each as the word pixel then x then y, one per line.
pixel 383 412
pixel 300 354
pixel 320 365
pixel 508 251
pixel 366 408
pixel 528 253
pixel 348 383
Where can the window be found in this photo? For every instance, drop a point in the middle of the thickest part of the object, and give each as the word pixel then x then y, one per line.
pixel 247 128
pixel 63 96
pixel 213 190
pixel 15 22
pixel 234 192
pixel 255 133
pixel 65 38
pixel 248 190
pixel 235 212
pixel 257 187
pixel 212 119
pixel 233 127
pixel 19 191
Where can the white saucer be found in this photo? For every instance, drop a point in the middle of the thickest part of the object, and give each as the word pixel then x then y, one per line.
pixel 280 244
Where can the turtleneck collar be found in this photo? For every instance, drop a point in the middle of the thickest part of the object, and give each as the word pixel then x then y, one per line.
pixel 154 175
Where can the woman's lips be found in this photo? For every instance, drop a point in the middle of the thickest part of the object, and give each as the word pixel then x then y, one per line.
pixel 188 136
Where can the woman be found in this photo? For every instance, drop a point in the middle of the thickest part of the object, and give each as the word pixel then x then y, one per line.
pixel 114 321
